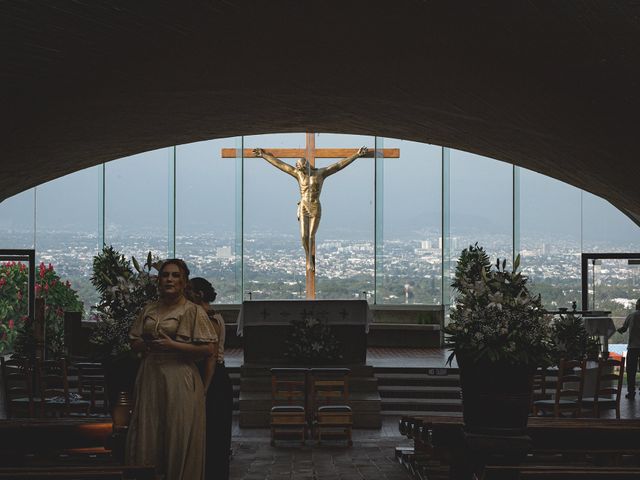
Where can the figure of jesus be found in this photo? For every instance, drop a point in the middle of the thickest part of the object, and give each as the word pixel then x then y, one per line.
pixel 310 180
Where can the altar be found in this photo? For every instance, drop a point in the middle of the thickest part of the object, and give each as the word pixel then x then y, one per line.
pixel 265 326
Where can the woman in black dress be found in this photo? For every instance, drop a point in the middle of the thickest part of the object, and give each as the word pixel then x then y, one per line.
pixel 217 384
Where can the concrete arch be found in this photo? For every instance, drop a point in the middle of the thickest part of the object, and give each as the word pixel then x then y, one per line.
pixel 551 86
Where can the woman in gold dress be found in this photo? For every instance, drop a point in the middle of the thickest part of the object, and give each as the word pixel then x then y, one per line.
pixel 167 427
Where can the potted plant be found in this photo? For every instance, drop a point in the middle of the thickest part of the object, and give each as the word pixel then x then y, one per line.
pixel 571 340
pixel 124 287
pixel 499 335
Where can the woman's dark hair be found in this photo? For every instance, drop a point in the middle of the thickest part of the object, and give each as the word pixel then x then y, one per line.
pixel 202 289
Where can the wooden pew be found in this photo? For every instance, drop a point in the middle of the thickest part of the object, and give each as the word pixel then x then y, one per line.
pixel 560 472
pixel 115 472
pixel 26 441
pixel 580 443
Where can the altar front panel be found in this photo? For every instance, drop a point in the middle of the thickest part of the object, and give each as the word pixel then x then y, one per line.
pixel 265 326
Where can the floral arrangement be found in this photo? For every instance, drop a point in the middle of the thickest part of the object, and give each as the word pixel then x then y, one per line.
pixel 495 317
pixel 16 332
pixel 311 341
pixel 124 287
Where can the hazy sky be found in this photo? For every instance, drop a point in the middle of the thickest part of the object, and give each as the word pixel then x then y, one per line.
pixel 481 195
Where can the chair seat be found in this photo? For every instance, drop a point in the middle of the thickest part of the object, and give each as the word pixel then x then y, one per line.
pixel 551 403
pixel 335 409
pixel 287 409
pixel 601 400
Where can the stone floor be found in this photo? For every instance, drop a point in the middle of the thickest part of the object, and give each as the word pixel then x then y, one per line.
pixel 372 456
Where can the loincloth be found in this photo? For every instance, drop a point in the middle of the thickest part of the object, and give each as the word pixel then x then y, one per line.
pixel 309 209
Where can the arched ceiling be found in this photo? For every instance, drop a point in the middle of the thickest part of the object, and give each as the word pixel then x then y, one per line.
pixel 551 86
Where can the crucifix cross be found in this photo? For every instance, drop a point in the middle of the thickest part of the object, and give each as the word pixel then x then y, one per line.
pixel 310 180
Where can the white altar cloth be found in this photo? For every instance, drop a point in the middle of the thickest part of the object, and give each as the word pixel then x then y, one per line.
pixel 282 312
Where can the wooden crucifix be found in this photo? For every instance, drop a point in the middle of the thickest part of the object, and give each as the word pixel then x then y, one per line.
pixel 310 180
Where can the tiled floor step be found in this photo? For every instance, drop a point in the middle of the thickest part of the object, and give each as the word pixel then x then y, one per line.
pixel 418 391
pixel 418 379
pixel 406 391
pixel 422 404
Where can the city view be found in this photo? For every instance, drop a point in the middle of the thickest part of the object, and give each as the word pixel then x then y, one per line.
pixel 409 271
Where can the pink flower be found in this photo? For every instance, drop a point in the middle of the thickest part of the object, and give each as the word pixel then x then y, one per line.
pixel 11 324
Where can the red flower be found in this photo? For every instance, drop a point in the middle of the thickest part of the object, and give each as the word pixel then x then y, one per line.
pixel 37 288
pixel 42 270
pixel 3 281
pixel 50 268
pixel 11 324
pixel 23 267
pixel 46 288
pixel 68 284
pixel 53 283
pixel 19 294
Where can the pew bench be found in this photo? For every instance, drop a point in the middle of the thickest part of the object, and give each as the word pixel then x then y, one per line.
pixel 115 472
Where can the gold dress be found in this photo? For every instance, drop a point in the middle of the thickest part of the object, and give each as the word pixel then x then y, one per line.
pixel 167 427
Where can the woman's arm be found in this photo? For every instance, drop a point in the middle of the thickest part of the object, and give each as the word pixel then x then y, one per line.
pixel 196 350
pixel 138 345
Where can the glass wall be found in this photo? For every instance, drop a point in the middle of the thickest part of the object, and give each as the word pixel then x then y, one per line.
pixel 17 220
pixel 550 238
pixel 234 221
pixel 411 258
pixel 205 214
pixel 481 192
pixel 137 204
pixel 67 228
pixel 345 239
pixel 274 261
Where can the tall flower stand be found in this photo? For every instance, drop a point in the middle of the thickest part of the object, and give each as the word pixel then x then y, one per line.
pixel 496 400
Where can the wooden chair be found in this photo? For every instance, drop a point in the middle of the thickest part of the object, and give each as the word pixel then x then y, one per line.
pixel 608 387
pixel 288 400
pixel 91 384
pixel 330 398
pixel 55 398
pixel 539 386
pixel 17 376
pixel 567 396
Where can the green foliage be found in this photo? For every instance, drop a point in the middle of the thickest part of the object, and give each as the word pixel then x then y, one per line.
pixel 16 332
pixel 312 342
pixel 124 290
pixel 495 317
pixel 570 339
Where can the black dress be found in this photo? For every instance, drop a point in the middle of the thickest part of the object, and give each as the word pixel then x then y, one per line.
pixel 219 410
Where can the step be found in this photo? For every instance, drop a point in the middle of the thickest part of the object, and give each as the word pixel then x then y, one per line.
pixel 417 379
pixel 422 404
pixel 415 370
pixel 419 391
pixel 420 413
